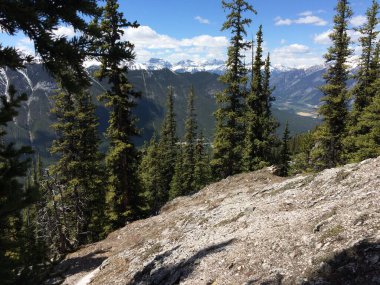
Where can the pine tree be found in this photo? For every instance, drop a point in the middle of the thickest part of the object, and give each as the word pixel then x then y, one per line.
pixel 79 166
pixel 334 110
pixel 366 74
pixel 167 148
pixel 13 197
pixel 260 125
pixel 37 21
pixel 229 133
pixel 202 169
pixel 283 167
pixel 254 109
pixel 365 135
pixel 122 157
pixel 150 178
pixel 189 146
pixel 365 89
pixel 178 180
pixel 301 160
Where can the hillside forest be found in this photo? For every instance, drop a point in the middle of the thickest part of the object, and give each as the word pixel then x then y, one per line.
pixel 49 210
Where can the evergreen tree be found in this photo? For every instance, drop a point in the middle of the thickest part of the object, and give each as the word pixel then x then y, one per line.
pixel 13 197
pixel 167 147
pixel 178 180
pixel 364 139
pixel 229 132
pixel 365 89
pixel 79 166
pixel 254 109
pixel 37 20
pixel 334 110
pixel 189 146
pixel 367 141
pixel 366 74
pixel 122 157
pixel 202 169
pixel 260 125
pixel 150 178
pixel 283 167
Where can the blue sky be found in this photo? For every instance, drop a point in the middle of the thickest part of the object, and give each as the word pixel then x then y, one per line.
pixel 295 31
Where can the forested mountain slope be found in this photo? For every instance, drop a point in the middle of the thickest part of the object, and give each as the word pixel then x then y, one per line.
pixel 32 126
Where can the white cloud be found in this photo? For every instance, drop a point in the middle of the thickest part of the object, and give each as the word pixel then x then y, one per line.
pixel 282 22
pixel 358 20
pixel 25 45
pixel 295 55
pixel 307 18
pixel 148 43
pixel 312 20
pixel 202 20
pixel 306 13
pixel 283 41
pixel 323 38
pixel 64 31
pixel 292 49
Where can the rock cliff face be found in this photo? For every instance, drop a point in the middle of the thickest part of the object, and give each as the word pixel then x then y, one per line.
pixel 252 228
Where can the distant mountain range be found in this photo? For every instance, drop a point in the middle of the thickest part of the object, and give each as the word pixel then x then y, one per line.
pixel 296 92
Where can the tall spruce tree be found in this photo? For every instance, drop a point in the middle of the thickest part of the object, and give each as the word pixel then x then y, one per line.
pixel 178 180
pixel 283 166
pixel 260 125
pixel 254 108
pixel 366 75
pixel 364 138
pixel 13 197
pixel 79 167
pixel 189 146
pixel 365 90
pixel 167 148
pixel 229 132
pixel 202 169
pixel 150 178
pixel 122 157
pixel 334 110
pixel 36 20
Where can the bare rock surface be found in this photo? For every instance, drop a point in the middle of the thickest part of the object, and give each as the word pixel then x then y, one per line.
pixel 252 228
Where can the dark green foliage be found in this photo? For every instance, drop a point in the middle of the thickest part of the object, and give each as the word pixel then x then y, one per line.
pixel 302 146
pixel 167 148
pixel 334 110
pixel 150 178
pixel 260 138
pixel 37 19
pixel 366 75
pixel 229 132
pixel 364 92
pixel 202 169
pixel 160 170
pixel 189 146
pixel 283 166
pixel 178 180
pixel 122 157
pixel 79 165
pixel 13 197
pixel 366 142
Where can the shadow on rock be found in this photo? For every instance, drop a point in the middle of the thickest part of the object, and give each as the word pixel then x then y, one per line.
pixel 359 264
pixel 76 265
pixel 153 274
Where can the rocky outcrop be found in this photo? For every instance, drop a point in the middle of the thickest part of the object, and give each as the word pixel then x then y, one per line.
pixel 252 228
